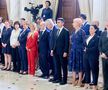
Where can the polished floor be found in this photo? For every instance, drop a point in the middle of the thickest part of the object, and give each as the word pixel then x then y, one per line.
pixel 14 81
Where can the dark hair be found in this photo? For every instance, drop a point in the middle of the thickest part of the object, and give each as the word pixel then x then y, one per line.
pixel 61 19
pixel 16 22
pixel 95 27
pixel 49 3
pixel 23 19
pixel 83 16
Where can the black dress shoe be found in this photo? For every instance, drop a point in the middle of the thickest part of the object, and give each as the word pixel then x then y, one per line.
pixel 45 77
pixel 52 80
pixel 41 76
pixel 21 72
pixel 25 73
pixel 56 81
pixel 63 83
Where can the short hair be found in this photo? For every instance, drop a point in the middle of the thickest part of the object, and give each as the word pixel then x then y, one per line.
pixel 16 22
pixel 48 2
pixel 95 27
pixel 83 16
pixel 49 21
pixel 23 19
pixel 61 19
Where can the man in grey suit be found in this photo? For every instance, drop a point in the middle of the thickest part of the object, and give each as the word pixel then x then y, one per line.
pixel 103 48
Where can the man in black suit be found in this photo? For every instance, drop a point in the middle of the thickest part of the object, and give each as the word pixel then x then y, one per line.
pixel 43 50
pixel 103 48
pixel 60 52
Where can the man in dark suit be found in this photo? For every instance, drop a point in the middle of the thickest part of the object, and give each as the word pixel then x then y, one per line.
pixel 50 25
pixel 47 12
pixel 85 25
pixel 103 48
pixel 43 51
pixel 60 51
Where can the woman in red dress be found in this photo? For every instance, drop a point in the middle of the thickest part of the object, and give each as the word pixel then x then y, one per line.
pixel 32 49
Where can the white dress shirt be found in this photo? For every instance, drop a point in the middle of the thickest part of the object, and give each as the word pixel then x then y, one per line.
pixel 88 40
pixel 14 37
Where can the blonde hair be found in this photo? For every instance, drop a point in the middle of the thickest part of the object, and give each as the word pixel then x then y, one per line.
pixel 35 29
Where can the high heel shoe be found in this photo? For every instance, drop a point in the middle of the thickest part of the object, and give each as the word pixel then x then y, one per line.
pixel 3 68
pixel 8 69
pixel 21 72
pixel 25 73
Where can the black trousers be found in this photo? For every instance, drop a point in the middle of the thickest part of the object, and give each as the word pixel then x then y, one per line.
pixel 105 73
pixel 51 64
pixel 60 65
pixel 16 59
pixel 43 64
pixel 91 67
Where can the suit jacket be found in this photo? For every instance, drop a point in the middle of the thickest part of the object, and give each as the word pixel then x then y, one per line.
pixel 53 37
pixel 5 38
pixel 44 43
pixel 61 42
pixel 32 42
pixel 92 47
pixel 103 43
pixel 47 13
pixel 86 28
pixel 23 37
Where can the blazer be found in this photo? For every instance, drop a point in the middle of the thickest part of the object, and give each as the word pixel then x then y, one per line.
pixel 92 47
pixel 53 37
pixel 23 37
pixel 32 42
pixel 86 28
pixel 44 42
pixel 103 42
pixel 61 42
pixel 5 38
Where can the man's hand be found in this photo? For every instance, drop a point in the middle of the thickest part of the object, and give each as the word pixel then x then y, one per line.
pixel 51 53
pixel 65 54
pixel 103 56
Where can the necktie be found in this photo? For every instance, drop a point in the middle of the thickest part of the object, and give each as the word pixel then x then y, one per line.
pixel 58 32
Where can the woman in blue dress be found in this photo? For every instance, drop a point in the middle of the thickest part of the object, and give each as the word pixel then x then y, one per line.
pixel 6 50
pixel 78 44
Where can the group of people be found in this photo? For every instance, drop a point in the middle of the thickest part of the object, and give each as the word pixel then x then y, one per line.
pixel 45 44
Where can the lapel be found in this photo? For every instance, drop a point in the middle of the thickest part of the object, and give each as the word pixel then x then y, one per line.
pixel 60 33
pixel 93 38
pixel 42 34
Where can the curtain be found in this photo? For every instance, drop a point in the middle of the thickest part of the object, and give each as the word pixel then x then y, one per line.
pixel 95 10
pixel 86 6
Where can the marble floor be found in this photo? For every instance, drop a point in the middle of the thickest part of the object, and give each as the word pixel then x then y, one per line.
pixel 13 81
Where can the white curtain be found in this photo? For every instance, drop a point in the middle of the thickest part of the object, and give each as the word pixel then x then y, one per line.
pixel 95 10
pixel 86 6
pixel 16 8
